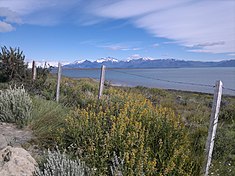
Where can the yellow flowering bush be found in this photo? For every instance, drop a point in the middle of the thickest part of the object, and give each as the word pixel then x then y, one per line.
pixel 148 140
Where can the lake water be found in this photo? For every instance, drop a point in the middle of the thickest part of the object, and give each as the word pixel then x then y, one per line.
pixel 189 79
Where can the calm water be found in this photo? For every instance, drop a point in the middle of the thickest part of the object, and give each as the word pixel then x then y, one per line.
pixel 159 77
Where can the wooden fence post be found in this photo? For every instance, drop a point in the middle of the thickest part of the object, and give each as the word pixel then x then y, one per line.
pixel 34 70
pixel 102 78
pixel 213 125
pixel 58 83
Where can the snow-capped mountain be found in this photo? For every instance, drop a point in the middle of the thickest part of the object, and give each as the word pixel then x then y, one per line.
pixel 108 59
pixel 78 62
pixel 142 59
pixel 92 64
pixel 146 63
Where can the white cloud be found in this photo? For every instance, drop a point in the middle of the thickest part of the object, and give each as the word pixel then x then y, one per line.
pixel 136 49
pixel 116 47
pixel 39 12
pixel 131 8
pixel 203 26
pixel 155 45
pixel 9 15
pixel 135 56
pixel 5 27
pixel 24 7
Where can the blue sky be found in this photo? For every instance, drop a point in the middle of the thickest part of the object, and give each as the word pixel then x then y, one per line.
pixel 69 30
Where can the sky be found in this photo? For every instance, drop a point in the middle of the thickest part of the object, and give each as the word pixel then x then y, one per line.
pixel 69 30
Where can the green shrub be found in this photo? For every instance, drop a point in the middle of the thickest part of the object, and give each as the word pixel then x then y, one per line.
pixel 59 164
pixel 12 66
pixel 15 106
pixel 149 140
pixel 47 118
pixel 73 93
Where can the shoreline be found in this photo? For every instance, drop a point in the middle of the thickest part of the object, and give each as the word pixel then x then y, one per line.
pixel 186 80
pixel 171 90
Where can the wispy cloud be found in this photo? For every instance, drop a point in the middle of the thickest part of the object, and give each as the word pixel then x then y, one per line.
pixel 206 24
pixel 40 12
pixel 201 45
pixel 171 42
pixel 130 8
pixel 134 56
pixel 120 47
pixel 201 26
pixel 115 47
pixel 155 45
pixel 231 54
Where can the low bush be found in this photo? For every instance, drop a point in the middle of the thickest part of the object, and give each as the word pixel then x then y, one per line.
pixel 15 106
pixel 73 93
pixel 78 92
pixel 47 118
pixel 149 140
pixel 59 164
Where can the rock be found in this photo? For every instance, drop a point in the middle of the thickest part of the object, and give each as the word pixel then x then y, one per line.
pixel 3 142
pixel 16 162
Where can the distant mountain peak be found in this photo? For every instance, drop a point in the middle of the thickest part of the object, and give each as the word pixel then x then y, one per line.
pixel 78 61
pixel 147 58
pixel 108 59
pixel 148 62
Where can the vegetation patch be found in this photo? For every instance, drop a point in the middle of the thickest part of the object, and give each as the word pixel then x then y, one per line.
pixel 58 163
pixel 15 106
pixel 130 131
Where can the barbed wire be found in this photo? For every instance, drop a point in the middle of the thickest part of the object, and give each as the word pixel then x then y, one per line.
pixel 164 80
pixel 156 79
pixel 228 89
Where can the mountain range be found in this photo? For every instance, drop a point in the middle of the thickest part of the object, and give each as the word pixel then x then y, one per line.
pixel 147 63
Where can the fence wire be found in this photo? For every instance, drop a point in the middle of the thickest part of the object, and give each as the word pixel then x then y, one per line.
pixel 170 81
pixel 156 79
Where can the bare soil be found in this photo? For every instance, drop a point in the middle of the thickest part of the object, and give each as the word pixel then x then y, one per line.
pixel 13 136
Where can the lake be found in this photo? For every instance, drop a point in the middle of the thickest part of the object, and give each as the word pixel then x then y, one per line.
pixel 188 79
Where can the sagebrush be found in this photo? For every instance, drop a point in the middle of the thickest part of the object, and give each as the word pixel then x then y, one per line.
pixel 15 106
pixel 59 164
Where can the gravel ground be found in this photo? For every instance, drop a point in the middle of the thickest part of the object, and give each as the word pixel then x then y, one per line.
pixel 13 136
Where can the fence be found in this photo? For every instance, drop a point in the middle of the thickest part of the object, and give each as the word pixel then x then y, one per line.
pixel 218 87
